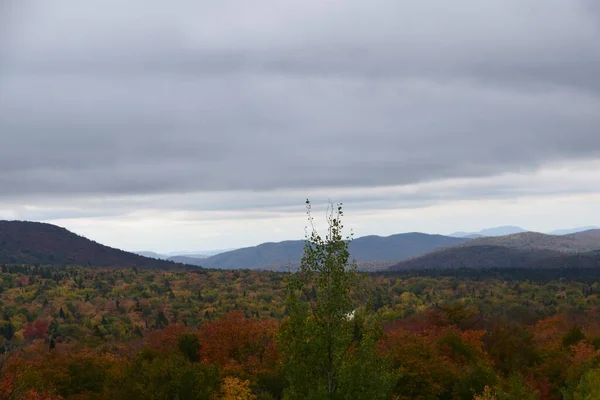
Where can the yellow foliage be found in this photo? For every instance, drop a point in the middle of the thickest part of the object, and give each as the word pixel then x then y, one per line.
pixel 408 296
pixel 19 321
pixel 234 388
pixel 18 337
pixel 96 320
pixel 487 394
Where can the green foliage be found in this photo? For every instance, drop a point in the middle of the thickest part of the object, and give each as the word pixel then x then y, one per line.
pixel 589 386
pixel 189 345
pixel 7 330
pixel 167 377
pixel 512 347
pixel 473 379
pixel 515 388
pixel 573 336
pixel 328 341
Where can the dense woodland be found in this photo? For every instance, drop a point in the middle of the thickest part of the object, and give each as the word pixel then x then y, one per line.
pixel 81 332
pixel 326 332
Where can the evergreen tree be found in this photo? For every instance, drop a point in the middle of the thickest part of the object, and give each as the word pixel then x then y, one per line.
pixel 161 320
pixel 7 330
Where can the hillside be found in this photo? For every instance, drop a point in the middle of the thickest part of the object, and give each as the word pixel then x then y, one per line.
pixel 483 256
pixel 571 243
pixel 370 251
pixel 528 249
pixel 24 242
pixel 590 259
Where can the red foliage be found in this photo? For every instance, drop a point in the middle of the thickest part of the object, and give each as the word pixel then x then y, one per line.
pixel 166 339
pixel 543 387
pixel 37 330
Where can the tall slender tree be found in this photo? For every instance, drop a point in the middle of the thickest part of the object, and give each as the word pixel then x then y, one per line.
pixel 328 341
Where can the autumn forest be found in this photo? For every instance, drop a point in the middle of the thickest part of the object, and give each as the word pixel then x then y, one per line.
pixel 324 332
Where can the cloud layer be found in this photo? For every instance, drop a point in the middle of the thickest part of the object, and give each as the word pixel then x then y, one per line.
pixel 107 108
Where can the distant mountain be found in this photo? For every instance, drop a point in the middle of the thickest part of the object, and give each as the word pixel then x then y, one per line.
pixel 528 249
pixel 573 230
pixel 369 251
pixel 574 242
pixel 23 242
pixel 192 255
pixel 170 256
pixel 511 230
pixel 502 230
pixel 188 260
pixel 198 253
pixel 497 231
pixel 151 254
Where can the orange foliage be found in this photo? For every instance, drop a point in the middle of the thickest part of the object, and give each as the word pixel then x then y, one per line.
pixel 9 374
pixel 35 395
pixel 583 352
pixel 166 339
pixel 550 331
pixel 36 375
pixel 239 344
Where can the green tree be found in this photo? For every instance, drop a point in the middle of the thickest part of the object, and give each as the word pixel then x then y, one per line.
pixel 7 330
pixel 157 377
pixel 328 341
pixel 161 320
pixel 573 336
pixel 189 345
pixel 516 388
pixel 512 347
pixel 589 386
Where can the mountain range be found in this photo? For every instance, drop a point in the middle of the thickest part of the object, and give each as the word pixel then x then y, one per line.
pixel 369 251
pixel 23 242
pixel 174 256
pixel 415 250
pixel 574 242
pixel 568 231
pixel 498 231
pixel 510 230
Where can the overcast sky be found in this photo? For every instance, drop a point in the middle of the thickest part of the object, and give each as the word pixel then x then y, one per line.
pixel 190 125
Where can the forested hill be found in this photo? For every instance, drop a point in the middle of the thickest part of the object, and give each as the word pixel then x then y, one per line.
pixel 23 242
pixel 475 257
pixel 374 249
pixel 522 250
pixel 572 243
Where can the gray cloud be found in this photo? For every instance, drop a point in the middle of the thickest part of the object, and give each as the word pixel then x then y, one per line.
pixel 154 98
pixel 577 180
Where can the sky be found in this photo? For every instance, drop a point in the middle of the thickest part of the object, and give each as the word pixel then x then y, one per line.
pixel 189 125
